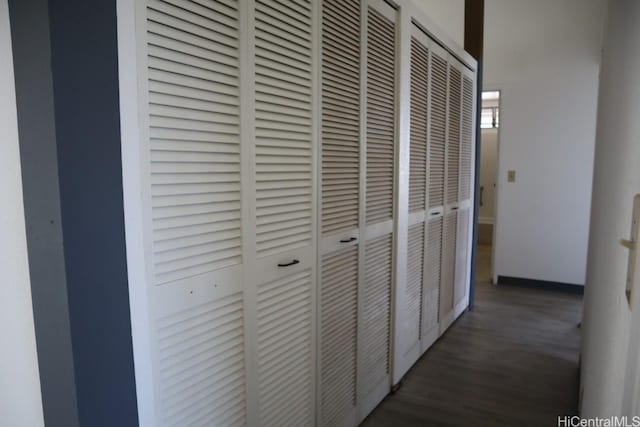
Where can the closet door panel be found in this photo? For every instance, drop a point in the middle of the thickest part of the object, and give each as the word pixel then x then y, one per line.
pixel 340 117
pixel 435 288
pixel 433 268
pixel 200 356
pixel 448 269
pixel 284 351
pixel 283 126
pixel 419 125
pixel 194 139
pixel 375 316
pixel 338 326
pixel 380 112
pixel 462 256
pixel 282 274
pixel 453 134
pixel 411 316
pixel 414 288
pixel 466 143
pixel 192 179
pixel 437 128
pixel 340 204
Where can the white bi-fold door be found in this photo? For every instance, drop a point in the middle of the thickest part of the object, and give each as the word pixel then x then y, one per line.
pixel 266 148
pixel 357 206
pixel 227 183
pixel 458 209
pixel 340 212
pixel 439 199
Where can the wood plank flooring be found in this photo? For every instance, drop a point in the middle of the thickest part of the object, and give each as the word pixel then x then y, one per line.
pixel 512 361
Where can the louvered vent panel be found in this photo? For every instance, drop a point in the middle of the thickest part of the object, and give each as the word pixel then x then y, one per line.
pixel 376 312
pixel 283 125
pixel 380 117
pixel 438 130
pixel 465 145
pixel 338 320
pixel 415 264
pixel 194 136
pixel 284 352
pixel 418 146
pixel 201 365
pixel 340 115
pixel 433 266
pixel 462 255
pixel 453 139
pixel 448 262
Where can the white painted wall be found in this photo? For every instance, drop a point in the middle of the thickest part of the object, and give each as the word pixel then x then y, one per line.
pixel 446 14
pixel 20 400
pixel 607 318
pixel 488 168
pixel 544 56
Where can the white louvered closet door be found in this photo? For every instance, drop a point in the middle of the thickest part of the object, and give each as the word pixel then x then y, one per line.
pixel 228 166
pixel 191 175
pixel 452 187
pixel 283 273
pixel 463 255
pixel 340 211
pixel 265 298
pixel 436 161
pixel 374 322
pixel 410 317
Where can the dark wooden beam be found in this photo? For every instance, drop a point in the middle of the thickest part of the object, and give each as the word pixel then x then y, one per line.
pixel 474 28
pixel 474 44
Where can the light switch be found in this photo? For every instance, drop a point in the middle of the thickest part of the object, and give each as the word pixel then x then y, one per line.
pixel 511 176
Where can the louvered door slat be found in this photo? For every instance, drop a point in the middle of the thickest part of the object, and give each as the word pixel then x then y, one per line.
pixel 467 138
pixel 338 322
pixel 413 296
pixel 453 138
pixel 438 129
pixel 340 115
pixel 194 129
pixel 284 351
pixel 375 328
pixel 418 141
pixel 283 128
pixel 380 121
pixel 448 263
pixel 201 364
pixel 431 299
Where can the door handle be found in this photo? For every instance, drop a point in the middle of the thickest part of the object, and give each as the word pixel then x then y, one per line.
pixel 348 240
pixel 289 264
pixel 482 195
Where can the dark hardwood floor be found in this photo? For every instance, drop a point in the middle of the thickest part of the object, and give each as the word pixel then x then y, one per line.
pixel 512 361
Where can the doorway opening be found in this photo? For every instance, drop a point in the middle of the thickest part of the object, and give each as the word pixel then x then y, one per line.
pixel 490 125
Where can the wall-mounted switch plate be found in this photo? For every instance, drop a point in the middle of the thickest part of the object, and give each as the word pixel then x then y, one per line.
pixel 511 176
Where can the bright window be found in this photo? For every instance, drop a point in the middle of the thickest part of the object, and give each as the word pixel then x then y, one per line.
pixel 490 118
pixel 490 114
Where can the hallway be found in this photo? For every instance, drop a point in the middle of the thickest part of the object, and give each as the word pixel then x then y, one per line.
pixel 512 361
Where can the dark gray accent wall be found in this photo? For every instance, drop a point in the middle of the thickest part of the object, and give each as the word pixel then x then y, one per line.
pixel 87 116
pixel 66 64
pixel 39 163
